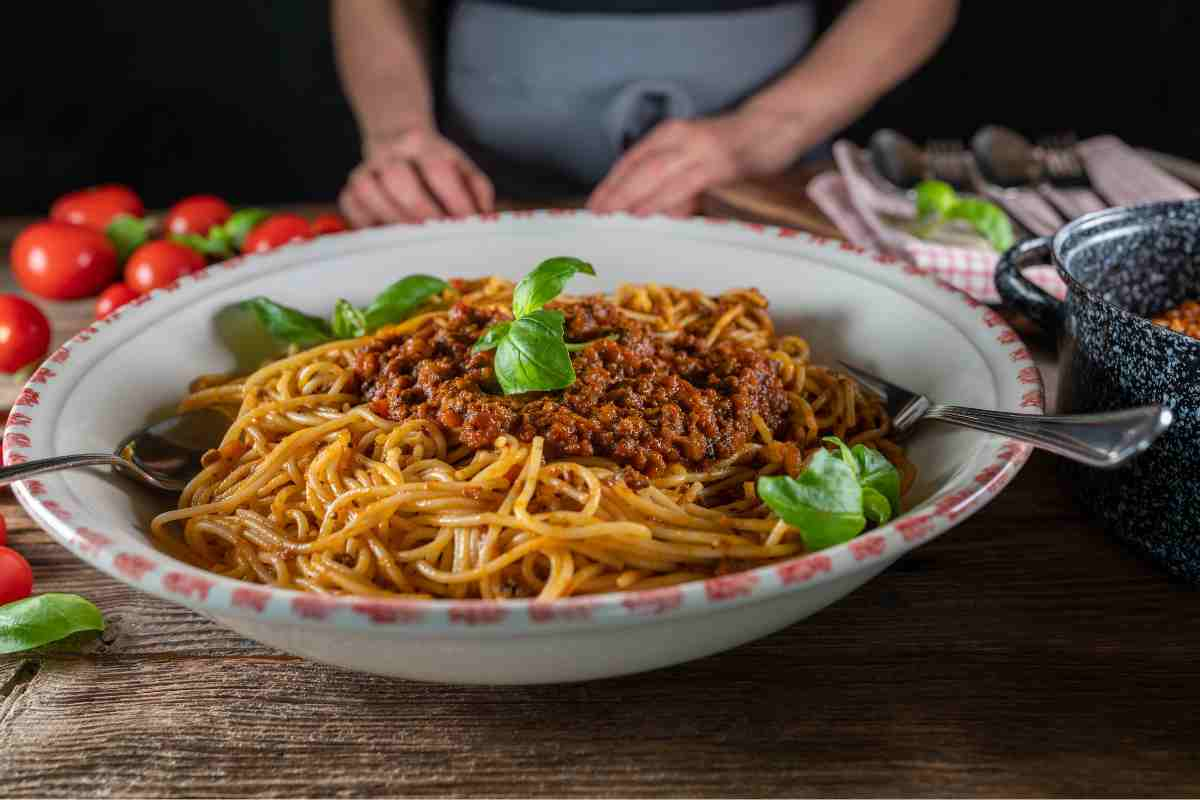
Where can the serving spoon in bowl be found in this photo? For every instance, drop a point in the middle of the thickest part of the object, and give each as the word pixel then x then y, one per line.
pixel 1105 440
pixel 165 455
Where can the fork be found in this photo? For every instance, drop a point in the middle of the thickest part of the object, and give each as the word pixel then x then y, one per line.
pixel 1103 440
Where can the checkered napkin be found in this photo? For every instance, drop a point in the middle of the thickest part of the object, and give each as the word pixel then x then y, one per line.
pixel 866 209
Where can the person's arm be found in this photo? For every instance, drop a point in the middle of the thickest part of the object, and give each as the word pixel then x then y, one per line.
pixel 871 47
pixel 409 171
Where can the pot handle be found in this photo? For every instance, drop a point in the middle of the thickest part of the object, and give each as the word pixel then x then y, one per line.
pixel 1023 294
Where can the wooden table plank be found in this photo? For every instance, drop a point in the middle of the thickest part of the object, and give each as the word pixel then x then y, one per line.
pixel 1019 654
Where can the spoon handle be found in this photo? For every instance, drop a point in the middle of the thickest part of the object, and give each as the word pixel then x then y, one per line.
pixel 1100 440
pixel 19 472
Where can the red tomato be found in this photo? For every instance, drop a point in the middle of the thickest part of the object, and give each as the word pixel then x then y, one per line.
pixel 155 264
pixel 63 261
pixel 197 214
pixel 275 232
pixel 16 576
pixel 24 333
pixel 3 531
pixel 95 207
pixel 113 298
pixel 329 223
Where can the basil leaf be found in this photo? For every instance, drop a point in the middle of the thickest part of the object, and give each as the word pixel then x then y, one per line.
pixel 398 301
pixel 288 324
pixel 875 506
pixel 845 453
pixel 491 337
pixel 876 472
pixel 127 233
pixel 532 357
pixel 348 322
pixel 935 199
pixel 545 283
pixel 239 225
pixel 249 342
pixel 825 503
pixel 45 618
pixel 988 219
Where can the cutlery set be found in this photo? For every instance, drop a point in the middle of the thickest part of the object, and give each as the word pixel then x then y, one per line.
pixel 998 157
pixel 1042 185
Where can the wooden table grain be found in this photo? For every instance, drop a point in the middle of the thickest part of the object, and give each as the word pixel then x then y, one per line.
pixel 1023 653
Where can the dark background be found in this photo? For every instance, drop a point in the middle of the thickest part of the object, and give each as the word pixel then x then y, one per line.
pixel 242 98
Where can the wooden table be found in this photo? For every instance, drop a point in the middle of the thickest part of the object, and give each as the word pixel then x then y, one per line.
pixel 1024 653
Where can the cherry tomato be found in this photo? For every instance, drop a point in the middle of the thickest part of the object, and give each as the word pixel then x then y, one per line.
pixel 113 298
pixel 197 214
pixel 24 333
pixel 3 531
pixel 16 576
pixel 63 261
pixel 156 264
pixel 95 207
pixel 275 232
pixel 328 223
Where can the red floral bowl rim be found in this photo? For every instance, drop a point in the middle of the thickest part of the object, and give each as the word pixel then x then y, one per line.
pixel 128 557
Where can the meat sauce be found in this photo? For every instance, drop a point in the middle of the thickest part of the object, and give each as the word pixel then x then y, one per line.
pixel 639 399
pixel 1183 318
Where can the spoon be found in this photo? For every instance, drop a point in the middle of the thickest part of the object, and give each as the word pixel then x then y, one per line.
pixel 165 455
pixel 1007 157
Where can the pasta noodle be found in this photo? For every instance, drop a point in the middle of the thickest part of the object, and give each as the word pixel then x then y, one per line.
pixel 313 489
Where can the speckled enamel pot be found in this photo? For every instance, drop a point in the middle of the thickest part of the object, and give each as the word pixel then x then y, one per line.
pixel 872 310
pixel 1121 266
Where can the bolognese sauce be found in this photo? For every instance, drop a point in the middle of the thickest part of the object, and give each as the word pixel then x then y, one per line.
pixel 640 398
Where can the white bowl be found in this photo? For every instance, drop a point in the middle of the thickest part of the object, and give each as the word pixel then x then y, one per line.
pixel 870 310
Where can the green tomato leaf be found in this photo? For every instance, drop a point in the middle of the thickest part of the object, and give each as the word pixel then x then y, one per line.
pixel 875 506
pixel 347 322
pixel 215 247
pixel 876 472
pixel 825 503
pixel 545 283
pixel 397 302
pixel 288 324
pixel 127 233
pixel 238 226
pixel 935 199
pixel 532 357
pixel 987 218
pixel 45 618
pixel 491 337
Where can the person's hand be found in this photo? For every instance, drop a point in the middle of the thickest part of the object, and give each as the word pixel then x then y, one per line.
pixel 668 170
pixel 412 177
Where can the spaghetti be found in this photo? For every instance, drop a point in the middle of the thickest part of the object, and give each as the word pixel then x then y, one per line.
pixel 384 465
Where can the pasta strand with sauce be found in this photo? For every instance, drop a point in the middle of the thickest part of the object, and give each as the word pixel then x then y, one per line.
pixel 388 466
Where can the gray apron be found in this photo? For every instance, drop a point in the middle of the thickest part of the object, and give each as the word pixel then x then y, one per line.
pixel 546 101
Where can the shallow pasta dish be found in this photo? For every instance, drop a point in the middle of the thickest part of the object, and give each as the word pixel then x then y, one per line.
pixel 400 463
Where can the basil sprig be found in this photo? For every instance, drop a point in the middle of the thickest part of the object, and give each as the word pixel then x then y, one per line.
pixel 531 354
pixel 45 618
pixel 394 304
pixel 836 495
pixel 937 202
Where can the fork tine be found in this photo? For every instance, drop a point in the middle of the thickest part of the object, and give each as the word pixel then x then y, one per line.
pixel 873 382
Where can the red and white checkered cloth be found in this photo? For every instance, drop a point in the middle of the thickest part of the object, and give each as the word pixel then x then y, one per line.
pixel 860 202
